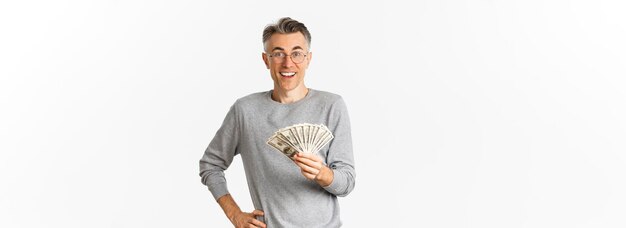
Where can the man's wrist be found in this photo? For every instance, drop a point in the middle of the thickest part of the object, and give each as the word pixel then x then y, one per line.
pixel 232 213
pixel 231 209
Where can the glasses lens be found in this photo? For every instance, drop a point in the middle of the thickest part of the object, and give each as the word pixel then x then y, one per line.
pixel 297 57
pixel 277 57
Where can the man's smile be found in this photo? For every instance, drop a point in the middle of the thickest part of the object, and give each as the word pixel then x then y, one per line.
pixel 287 74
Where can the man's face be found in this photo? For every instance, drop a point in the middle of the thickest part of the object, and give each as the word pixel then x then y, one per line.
pixel 287 74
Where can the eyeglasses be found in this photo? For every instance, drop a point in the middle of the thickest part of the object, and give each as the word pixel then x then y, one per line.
pixel 279 57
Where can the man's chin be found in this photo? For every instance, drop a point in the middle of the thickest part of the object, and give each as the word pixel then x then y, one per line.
pixel 287 88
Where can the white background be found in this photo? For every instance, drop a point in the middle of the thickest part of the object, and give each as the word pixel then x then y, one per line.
pixel 465 113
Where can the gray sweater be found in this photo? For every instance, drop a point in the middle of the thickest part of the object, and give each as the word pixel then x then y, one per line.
pixel 275 183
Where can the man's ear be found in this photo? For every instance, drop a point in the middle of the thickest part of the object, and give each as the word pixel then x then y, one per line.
pixel 308 58
pixel 265 60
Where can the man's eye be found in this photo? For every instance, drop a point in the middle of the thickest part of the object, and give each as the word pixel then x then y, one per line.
pixel 296 54
pixel 279 54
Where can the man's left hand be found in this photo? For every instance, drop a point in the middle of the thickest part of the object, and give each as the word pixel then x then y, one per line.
pixel 312 167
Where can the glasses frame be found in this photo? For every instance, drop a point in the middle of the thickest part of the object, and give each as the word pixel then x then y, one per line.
pixel 272 55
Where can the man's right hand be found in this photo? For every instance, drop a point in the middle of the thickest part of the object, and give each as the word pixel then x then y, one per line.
pixel 247 220
pixel 237 217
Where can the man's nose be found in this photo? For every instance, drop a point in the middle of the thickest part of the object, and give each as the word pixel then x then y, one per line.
pixel 287 62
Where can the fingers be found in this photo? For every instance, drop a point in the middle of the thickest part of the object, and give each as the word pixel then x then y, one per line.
pixel 309 156
pixel 310 164
pixel 249 219
pixel 308 168
pixel 255 222
pixel 308 175
pixel 307 171
pixel 309 160
pixel 258 213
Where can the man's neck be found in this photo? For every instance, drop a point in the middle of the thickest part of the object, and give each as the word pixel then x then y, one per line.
pixel 286 97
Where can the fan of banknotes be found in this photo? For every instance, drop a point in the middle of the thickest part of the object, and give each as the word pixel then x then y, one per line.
pixel 306 138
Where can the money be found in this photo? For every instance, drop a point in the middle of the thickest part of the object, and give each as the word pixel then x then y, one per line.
pixel 305 137
pixel 281 146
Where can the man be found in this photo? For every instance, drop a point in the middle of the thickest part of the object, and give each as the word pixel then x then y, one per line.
pixel 300 191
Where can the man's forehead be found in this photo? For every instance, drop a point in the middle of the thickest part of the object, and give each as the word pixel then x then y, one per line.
pixel 291 41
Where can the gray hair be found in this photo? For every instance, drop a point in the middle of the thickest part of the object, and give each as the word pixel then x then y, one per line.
pixel 286 25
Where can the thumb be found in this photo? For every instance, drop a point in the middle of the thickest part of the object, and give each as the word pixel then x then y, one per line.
pixel 258 212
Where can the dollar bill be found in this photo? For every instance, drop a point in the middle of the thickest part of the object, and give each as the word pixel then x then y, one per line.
pixel 282 146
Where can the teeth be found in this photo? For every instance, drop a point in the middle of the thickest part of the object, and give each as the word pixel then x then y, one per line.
pixel 287 74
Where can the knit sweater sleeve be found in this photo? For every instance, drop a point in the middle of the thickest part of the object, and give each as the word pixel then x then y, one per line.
pixel 219 155
pixel 340 158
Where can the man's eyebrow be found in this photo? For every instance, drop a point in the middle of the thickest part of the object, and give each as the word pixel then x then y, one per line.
pixel 278 48
pixel 282 49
